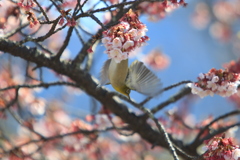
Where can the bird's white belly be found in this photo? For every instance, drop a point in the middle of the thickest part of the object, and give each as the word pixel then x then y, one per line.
pixel 118 73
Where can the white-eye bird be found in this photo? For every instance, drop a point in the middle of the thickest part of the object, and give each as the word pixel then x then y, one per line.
pixel 123 79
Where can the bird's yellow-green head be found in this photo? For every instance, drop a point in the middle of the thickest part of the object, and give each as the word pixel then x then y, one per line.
pixel 124 90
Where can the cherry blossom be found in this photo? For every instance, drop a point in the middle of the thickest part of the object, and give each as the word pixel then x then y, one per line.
pixel 221 148
pixel 123 38
pixel 66 15
pixel 26 4
pixel 32 19
pixel 158 10
pixel 69 3
pixel 221 82
pixel 71 22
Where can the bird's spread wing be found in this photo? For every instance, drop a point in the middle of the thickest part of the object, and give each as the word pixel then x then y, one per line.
pixel 141 79
pixel 104 73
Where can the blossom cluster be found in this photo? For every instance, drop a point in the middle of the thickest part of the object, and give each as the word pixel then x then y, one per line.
pixel 124 37
pixel 158 10
pixel 221 148
pixel 66 15
pixel 27 5
pixel 221 82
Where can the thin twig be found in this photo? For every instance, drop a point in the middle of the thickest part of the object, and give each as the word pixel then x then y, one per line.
pixel 65 43
pixel 118 130
pixel 183 92
pixel 90 57
pixel 44 48
pixel 45 85
pixel 165 89
pixel 42 38
pixel 84 3
pixel 16 30
pixel 12 102
pixel 18 119
pixel 21 122
pixel 42 10
pixel 79 36
pixel 84 30
pixel 53 2
pixel 45 139
pixel 212 122
pixel 97 20
pixel 217 132
pixel 177 84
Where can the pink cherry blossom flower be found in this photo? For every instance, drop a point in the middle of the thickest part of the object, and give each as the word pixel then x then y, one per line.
pixel 66 15
pixel 236 154
pixel 221 82
pixel 123 38
pixel 114 52
pixel 71 22
pixel 158 10
pixel 61 21
pixel 128 44
pixel 116 43
pixel 106 40
pixel 221 148
pixel 26 4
